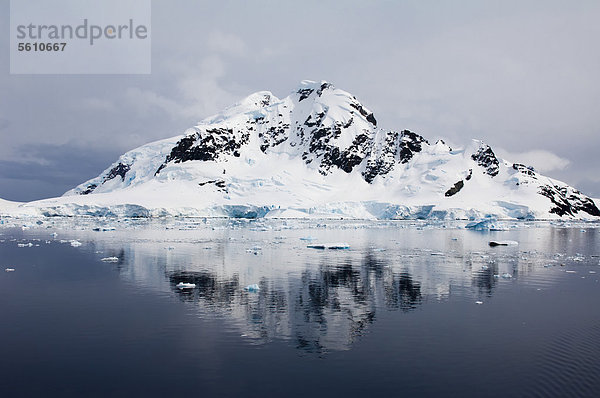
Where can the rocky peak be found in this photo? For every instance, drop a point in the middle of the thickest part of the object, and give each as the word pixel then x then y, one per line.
pixel 486 158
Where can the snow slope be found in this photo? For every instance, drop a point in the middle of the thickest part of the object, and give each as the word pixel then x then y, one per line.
pixel 316 153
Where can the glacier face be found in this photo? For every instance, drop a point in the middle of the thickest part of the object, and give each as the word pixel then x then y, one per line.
pixel 315 153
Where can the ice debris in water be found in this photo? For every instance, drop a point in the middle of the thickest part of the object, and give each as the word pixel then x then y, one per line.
pixel 332 246
pixel 110 259
pixel 184 285
pixel 25 244
pixel 104 229
pixel 506 275
pixel 255 250
pixel 252 288
pixel 10 270
pixel 75 243
pixel 479 302
pixel 309 238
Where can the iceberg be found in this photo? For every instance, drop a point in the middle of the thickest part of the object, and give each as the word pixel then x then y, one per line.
pixel 252 288
pixel 184 285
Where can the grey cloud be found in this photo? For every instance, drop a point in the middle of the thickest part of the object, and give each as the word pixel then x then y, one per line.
pixel 50 170
pixel 520 75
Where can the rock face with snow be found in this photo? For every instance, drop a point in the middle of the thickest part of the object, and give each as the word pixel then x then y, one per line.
pixel 316 153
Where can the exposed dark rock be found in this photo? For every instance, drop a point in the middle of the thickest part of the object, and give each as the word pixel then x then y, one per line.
pixel 314 120
pixel 208 146
pixel 273 136
pixel 368 115
pixel 119 170
pixel 324 86
pixel 468 177
pixel 454 190
pixel 566 203
pixel 89 189
pixel 305 93
pixel 410 143
pixel 527 170
pixel 383 162
pixel 397 147
pixel 220 184
pixel 486 158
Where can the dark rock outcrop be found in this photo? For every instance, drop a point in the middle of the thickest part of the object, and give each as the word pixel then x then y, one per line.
pixel 455 189
pixel 568 201
pixel 486 158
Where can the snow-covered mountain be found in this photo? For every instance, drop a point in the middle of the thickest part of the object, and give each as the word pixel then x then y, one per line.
pixel 315 153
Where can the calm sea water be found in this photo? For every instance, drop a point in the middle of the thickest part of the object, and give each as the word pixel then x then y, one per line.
pixel 408 310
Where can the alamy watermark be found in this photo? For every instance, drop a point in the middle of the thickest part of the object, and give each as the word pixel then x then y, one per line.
pixel 80 37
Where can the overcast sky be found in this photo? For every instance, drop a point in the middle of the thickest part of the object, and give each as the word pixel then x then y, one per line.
pixel 524 76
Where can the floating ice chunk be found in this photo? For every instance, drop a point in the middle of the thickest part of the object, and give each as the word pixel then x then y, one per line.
pixel 184 285
pixel 578 259
pixel 496 276
pixel 485 267
pixel 110 259
pixel 25 244
pixel 592 272
pixel 489 223
pixel 503 243
pixel 507 275
pixel 479 302
pixel 570 271
pixel 309 238
pixel 437 254
pixel 103 229
pixel 252 288
pixel 75 243
pixel 10 270
pixel 331 246
pixel 255 250
pixel 54 234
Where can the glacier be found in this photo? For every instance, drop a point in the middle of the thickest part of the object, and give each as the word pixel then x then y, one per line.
pixel 317 153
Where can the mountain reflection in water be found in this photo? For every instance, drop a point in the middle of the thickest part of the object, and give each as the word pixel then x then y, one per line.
pixel 325 308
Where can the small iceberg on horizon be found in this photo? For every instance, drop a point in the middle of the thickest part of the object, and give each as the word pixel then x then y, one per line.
pixel 185 285
pixel 252 288
pixel 330 246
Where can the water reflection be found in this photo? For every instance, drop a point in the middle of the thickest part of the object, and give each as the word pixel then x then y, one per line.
pixel 321 300
pixel 325 308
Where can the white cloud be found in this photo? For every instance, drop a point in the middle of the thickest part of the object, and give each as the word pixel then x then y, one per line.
pixel 226 43
pixel 542 160
pixel 199 88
